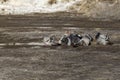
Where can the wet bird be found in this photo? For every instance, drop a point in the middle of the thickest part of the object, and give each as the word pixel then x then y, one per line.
pixel 50 40
pixel 70 39
pixel 86 40
pixel 75 39
pixel 102 38
pixel 65 40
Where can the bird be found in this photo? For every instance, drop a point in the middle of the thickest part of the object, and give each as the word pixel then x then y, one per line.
pixel 102 39
pixel 75 39
pixel 50 40
pixel 86 40
pixel 70 39
pixel 65 40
